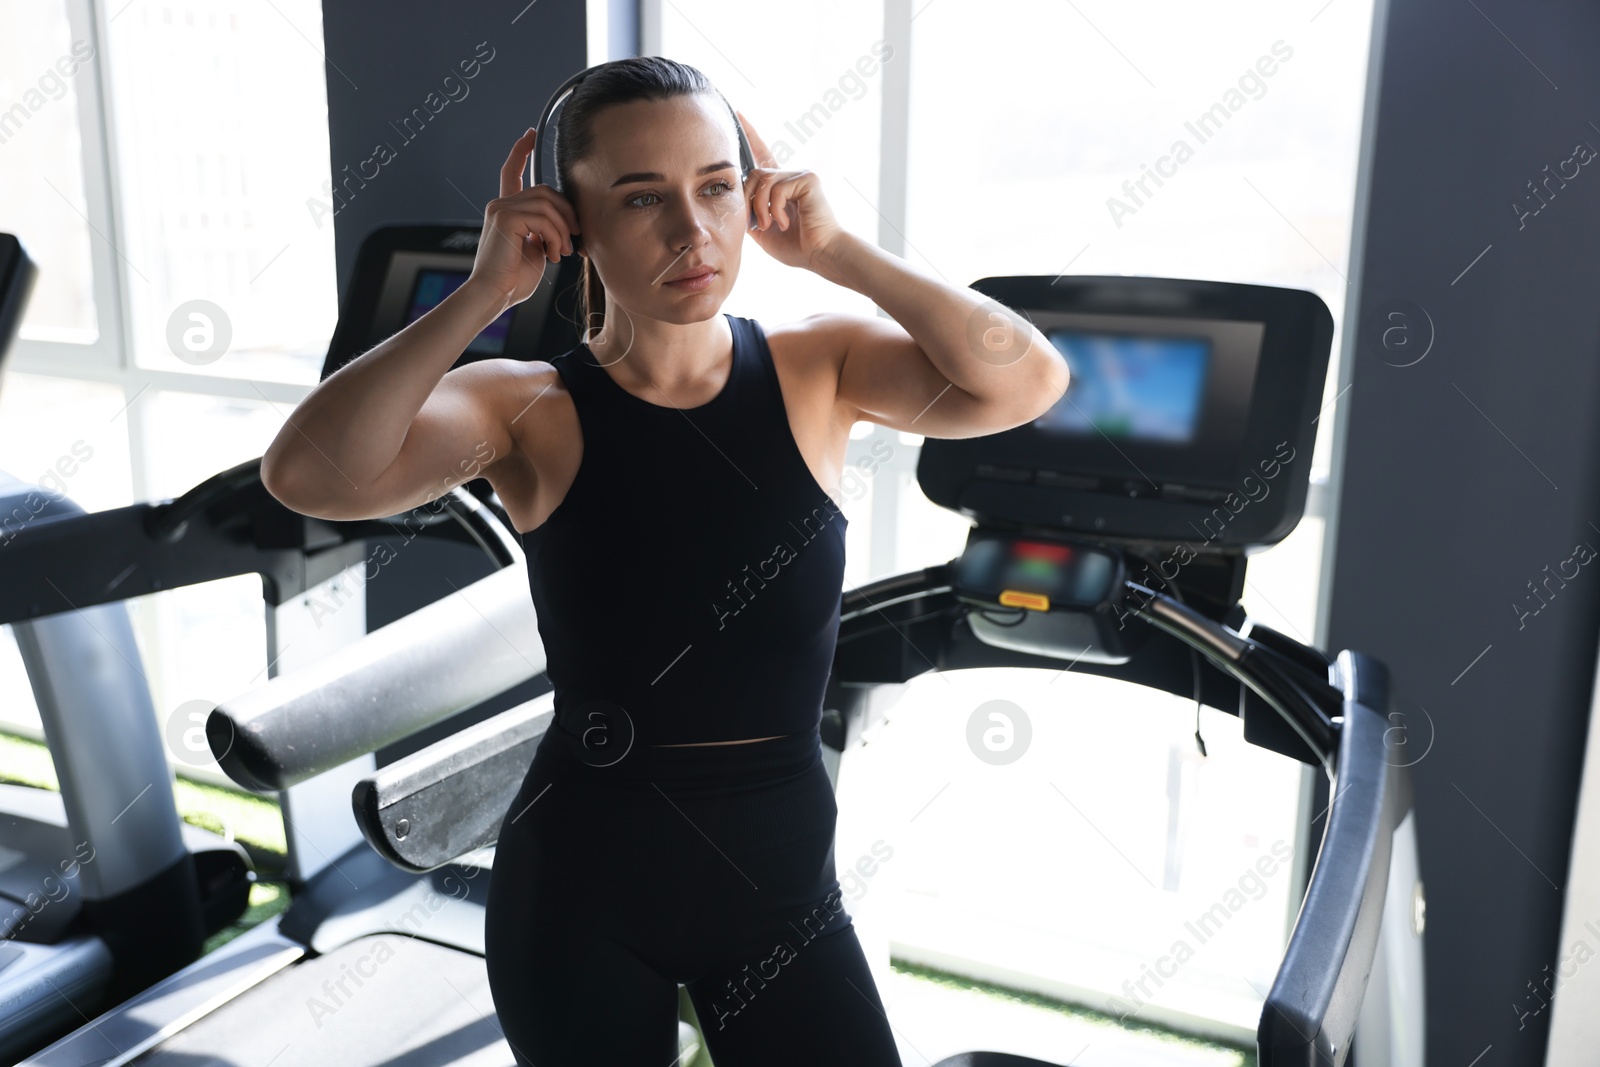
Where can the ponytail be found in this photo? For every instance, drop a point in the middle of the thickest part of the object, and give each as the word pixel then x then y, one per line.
pixel 591 302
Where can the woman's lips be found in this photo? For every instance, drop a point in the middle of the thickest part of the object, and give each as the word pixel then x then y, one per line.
pixel 698 281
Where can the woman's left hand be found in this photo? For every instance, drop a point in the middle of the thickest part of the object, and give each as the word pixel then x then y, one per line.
pixel 794 224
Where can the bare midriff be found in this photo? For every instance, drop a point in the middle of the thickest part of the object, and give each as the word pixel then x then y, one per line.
pixel 698 744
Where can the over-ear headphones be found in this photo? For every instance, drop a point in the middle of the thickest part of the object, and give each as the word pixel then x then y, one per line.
pixel 747 158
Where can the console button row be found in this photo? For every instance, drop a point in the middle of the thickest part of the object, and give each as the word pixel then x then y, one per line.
pixel 1091 484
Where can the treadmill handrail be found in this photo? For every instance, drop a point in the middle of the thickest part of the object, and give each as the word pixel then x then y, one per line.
pixel 1309 1017
pixel 1254 664
pixel 422 668
pixel 448 799
pixel 169 521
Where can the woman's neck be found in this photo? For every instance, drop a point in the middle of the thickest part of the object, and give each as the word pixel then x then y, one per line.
pixel 668 355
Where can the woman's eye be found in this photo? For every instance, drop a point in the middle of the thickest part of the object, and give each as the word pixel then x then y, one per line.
pixel 724 185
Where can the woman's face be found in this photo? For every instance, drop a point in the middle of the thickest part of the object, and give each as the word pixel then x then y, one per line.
pixel 658 197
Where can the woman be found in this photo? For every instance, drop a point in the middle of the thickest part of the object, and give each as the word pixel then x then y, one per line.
pixel 676 824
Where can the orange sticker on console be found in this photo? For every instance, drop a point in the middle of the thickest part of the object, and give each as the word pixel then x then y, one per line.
pixel 1016 598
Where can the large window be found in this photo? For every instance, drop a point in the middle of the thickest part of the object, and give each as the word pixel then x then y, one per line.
pixel 42 74
pixel 163 163
pixel 1033 137
pixel 220 111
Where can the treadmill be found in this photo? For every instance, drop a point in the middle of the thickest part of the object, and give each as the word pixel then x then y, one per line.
pixel 379 958
pixel 104 889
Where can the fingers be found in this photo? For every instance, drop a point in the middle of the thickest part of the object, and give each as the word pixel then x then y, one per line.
pixel 517 221
pixel 758 199
pixel 768 194
pixel 511 185
pixel 554 200
pixel 546 196
pixel 517 162
pixel 540 202
pixel 778 201
pixel 771 193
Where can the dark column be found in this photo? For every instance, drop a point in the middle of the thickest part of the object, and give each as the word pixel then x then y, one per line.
pixel 1467 506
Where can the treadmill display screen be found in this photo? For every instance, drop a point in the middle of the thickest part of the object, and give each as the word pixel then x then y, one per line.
pixel 1145 388
pixel 432 286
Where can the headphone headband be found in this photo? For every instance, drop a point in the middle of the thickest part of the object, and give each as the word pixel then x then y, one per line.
pixel 747 159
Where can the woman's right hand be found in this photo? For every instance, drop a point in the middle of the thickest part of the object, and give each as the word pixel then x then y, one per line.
pixel 522 230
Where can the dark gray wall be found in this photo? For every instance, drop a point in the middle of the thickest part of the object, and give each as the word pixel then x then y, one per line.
pixel 389 59
pixel 1468 473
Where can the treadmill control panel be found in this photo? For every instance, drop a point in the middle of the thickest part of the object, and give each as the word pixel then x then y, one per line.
pixel 1035 574
pixel 1046 596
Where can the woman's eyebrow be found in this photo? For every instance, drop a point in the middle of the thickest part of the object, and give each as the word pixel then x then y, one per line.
pixel 653 176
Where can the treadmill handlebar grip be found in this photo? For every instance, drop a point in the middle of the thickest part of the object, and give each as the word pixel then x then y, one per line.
pixel 448 799
pixel 418 670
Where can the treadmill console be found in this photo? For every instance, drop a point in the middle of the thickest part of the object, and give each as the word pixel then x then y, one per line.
pixel 403 271
pixel 1189 416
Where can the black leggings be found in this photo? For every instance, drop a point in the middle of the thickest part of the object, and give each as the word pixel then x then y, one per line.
pixel 710 866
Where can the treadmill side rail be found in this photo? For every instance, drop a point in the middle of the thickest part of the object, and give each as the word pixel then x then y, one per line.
pixel 137 1025
pixel 40 986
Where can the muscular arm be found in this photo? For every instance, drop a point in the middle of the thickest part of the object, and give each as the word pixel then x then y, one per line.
pixel 952 363
pixel 391 430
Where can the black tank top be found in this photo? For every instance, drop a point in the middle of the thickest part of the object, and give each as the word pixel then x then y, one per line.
pixel 687 587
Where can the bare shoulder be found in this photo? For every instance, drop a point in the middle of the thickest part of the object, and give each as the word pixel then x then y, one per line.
pixel 519 394
pixel 864 359
pixel 810 353
pixel 533 404
pixel 809 358
pixel 823 337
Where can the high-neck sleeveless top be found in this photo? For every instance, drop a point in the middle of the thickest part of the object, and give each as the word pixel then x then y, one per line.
pixel 688 585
